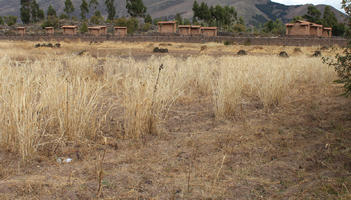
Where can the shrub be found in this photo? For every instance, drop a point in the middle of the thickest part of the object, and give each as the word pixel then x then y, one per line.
pixel 84 28
pixel 342 66
pixel 131 23
pixel 52 21
pixel 147 27
pixel 63 16
pixel 10 20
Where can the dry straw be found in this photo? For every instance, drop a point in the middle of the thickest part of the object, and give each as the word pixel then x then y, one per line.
pixel 56 100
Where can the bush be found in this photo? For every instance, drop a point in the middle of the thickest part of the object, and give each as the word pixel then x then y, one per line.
pixel 97 18
pixel 84 28
pixel 10 20
pixel 239 28
pixel 131 23
pixel 147 27
pixel 342 66
pixel 63 16
pixel 52 21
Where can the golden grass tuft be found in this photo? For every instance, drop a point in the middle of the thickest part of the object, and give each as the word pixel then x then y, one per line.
pixel 58 99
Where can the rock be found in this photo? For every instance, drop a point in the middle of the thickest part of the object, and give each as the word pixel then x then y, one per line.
pixel 156 50
pixel 160 50
pixel 324 48
pixel 37 46
pixel 242 53
pixel 283 54
pixel 317 54
pixel 297 50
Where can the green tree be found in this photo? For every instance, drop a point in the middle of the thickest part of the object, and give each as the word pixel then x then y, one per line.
pixel 274 27
pixel 93 4
pixel 313 15
pixel 10 20
pixel 51 12
pixel 131 24
pixel 329 19
pixel 84 9
pixel 36 12
pixel 136 8
pixel 25 11
pixel 195 10
pixel 186 22
pixel 111 10
pixel 179 19
pixel 83 28
pixel 69 8
pixel 51 21
pixel 148 19
pixel 1 21
pixel 97 18
pixel 64 16
pixel 297 18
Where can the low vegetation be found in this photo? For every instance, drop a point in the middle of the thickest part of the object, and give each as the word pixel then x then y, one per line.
pixel 57 100
pixel 137 124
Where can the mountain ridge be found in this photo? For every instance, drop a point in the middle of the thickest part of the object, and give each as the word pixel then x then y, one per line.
pixel 254 12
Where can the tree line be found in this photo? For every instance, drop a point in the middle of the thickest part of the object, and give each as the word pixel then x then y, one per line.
pixel 224 17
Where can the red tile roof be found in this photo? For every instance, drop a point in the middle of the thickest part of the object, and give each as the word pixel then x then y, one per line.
pixel 166 22
pixel 209 28
pixel 69 27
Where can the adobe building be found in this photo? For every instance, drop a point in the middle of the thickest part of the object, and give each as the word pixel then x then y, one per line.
pixel 305 28
pixel 69 30
pixel 50 30
pixel 184 29
pixel 299 28
pixel 167 27
pixel 103 30
pixel 327 32
pixel 316 30
pixel 95 31
pixel 21 31
pixel 195 30
pixel 120 31
pixel 209 31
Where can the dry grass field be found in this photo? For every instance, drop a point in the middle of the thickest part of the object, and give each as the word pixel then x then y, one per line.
pixel 197 123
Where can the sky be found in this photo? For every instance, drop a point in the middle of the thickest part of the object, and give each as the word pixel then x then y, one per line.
pixel 334 3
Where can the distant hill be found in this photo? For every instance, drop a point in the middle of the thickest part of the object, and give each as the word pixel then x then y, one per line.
pixel 254 12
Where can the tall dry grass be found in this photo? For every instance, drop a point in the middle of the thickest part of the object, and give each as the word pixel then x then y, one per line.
pixel 55 100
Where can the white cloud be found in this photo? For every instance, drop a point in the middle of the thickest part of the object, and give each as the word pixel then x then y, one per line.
pixel 335 3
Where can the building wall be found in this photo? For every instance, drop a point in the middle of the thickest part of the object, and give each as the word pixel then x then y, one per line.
pixel 21 31
pixel 50 31
pixel 316 31
pixel 95 32
pixel 69 31
pixel 209 32
pixel 103 30
pixel 326 33
pixel 297 29
pixel 184 31
pixel 195 31
pixel 120 32
pixel 167 28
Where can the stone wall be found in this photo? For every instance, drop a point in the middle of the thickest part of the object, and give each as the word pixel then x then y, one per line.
pixel 278 41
